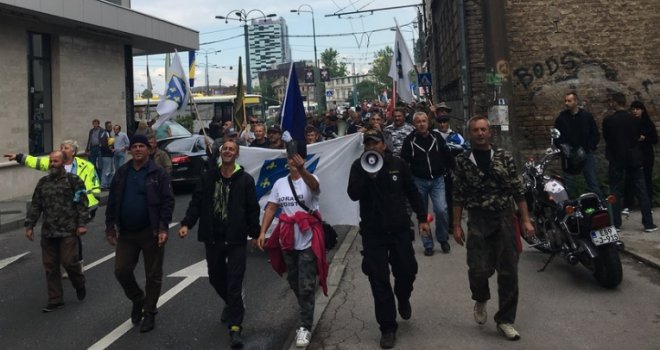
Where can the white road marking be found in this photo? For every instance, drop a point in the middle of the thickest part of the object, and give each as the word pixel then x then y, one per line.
pixel 190 274
pixel 173 224
pixel 7 261
pixel 98 262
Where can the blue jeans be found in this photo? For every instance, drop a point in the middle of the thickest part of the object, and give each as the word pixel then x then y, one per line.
pixel 589 173
pixel 107 170
pixel 95 158
pixel 119 159
pixel 617 177
pixel 436 190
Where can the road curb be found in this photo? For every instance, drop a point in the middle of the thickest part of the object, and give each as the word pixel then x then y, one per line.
pixel 337 268
pixel 641 258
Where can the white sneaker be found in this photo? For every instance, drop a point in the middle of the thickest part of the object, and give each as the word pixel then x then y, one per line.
pixel 480 313
pixel 625 211
pixel 507 330
pixel 303 336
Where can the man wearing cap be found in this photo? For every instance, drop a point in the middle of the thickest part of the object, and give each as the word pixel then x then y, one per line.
pixel 140 206
pixel 385 232
pixel 275 137
pixel 456 144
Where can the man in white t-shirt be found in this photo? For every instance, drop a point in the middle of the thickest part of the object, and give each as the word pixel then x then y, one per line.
pixel 298 237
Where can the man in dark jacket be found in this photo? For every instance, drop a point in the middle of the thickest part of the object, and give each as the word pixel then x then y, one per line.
pixel 621 133
pixel 429 158
pixel 578 129
pixel 140 205
pixel 385 231
pixel 225 202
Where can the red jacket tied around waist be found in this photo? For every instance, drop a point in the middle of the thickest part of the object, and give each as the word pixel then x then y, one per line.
pixel 282 239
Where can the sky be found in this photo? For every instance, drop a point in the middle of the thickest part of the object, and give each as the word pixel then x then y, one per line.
pixel 358 49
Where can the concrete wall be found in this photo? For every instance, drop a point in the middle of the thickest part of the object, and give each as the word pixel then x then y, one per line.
pixel 88 82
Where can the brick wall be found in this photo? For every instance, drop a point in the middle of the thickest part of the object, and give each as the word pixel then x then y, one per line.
pixel 590 46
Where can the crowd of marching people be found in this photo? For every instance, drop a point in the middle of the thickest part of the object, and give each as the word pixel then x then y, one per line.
pixel 421 158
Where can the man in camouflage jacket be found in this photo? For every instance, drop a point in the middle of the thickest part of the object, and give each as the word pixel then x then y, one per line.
pixel 61 198
pixel 485 182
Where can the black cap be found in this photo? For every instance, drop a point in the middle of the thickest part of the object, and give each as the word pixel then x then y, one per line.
pixel 373 135
pixel 139 139
pixel 230 132
pixel 443 118
pixel 275 128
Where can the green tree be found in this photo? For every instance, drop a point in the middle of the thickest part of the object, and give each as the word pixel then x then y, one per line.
pixel 367 90
pixel 266 90
pixel 329 59
pixel 380 67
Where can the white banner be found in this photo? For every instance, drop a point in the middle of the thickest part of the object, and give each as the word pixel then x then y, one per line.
pixel 330 161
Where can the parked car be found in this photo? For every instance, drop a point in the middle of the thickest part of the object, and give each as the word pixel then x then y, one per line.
pixel 171 129
pixel 188 155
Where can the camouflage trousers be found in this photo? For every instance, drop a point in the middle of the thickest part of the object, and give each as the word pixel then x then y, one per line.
pixel 301 274
pixel 491 247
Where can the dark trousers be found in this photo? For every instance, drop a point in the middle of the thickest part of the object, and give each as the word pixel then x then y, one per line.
pixel 226 266
pixel 377 257
pixel 127 254
pixel 449 188
pixel 491 246
pixel 629 192
pixel 617 177
pixel 302 275
pixel 61 251
pixel 94 157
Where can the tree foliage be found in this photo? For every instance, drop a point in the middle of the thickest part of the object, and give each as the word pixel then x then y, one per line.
pixel 330 59
pixel 367 90
pixel 380 67
pixel 267 91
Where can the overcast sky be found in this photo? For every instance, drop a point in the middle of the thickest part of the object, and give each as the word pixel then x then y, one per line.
pixel 200 15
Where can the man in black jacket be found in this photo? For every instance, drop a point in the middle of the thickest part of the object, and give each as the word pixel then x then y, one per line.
pixel 621 132
pixel 140 205
pixel 578 129
pixel 429 158
pixel 225 202
pixel 386 238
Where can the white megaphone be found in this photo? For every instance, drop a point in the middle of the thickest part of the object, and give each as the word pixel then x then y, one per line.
pixel 371 161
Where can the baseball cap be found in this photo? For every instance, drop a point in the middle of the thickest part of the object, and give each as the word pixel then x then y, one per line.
pixel 275 128
pixel 231 132
pixel 373 135
pixel 443 105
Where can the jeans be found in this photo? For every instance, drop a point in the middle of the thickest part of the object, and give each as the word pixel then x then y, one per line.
pixel 617 177
pixel 94 158
pixel 107 171
pixel 436 190
pixel 589 173
pixel 118 159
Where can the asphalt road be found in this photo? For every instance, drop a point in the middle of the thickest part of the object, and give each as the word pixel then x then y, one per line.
pixel 189 319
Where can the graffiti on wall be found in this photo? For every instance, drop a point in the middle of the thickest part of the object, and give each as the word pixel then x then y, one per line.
pixel 561 67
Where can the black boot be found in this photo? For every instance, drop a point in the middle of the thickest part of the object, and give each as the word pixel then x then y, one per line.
pixel 136 311
pixel 148 322
pixel 235 337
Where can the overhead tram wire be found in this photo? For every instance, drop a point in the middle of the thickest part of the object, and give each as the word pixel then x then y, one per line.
pixel 343 34
pixel 221 40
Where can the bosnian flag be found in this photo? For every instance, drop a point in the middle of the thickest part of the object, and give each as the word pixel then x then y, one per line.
pixel 400 67
pixel 293 115
pixel 175 97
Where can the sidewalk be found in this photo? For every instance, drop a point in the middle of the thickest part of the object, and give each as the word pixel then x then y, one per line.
pixel 13 211
pixel 345 319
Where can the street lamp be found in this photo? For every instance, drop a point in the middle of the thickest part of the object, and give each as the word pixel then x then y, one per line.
pixel 242 16
pixel 206 69
pixel 317 91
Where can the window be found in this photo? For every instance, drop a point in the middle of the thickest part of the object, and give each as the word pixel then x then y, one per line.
pixel 40 113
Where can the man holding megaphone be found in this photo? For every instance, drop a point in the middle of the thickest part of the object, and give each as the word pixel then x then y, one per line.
pixel 383 184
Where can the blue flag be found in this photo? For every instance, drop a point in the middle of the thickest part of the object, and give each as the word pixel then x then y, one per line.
pixel 274 169
pixel 293 115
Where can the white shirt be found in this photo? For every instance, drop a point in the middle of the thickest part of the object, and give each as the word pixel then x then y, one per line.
pixel 281 195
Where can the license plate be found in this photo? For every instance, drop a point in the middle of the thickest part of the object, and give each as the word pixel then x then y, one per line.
pixel 604 236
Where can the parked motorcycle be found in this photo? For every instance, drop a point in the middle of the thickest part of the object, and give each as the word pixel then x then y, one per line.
pixel 578 229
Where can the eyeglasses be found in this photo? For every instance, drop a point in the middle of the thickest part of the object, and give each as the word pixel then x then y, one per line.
pixel 253 122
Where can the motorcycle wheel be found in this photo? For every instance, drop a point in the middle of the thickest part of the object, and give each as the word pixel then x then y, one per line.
pixel 607 267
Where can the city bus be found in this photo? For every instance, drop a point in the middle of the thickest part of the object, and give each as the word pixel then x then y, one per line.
pixel 214 107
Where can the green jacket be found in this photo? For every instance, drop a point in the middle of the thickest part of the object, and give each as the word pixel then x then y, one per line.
pixel 58 200
pixel 475 190
pixel 84 169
